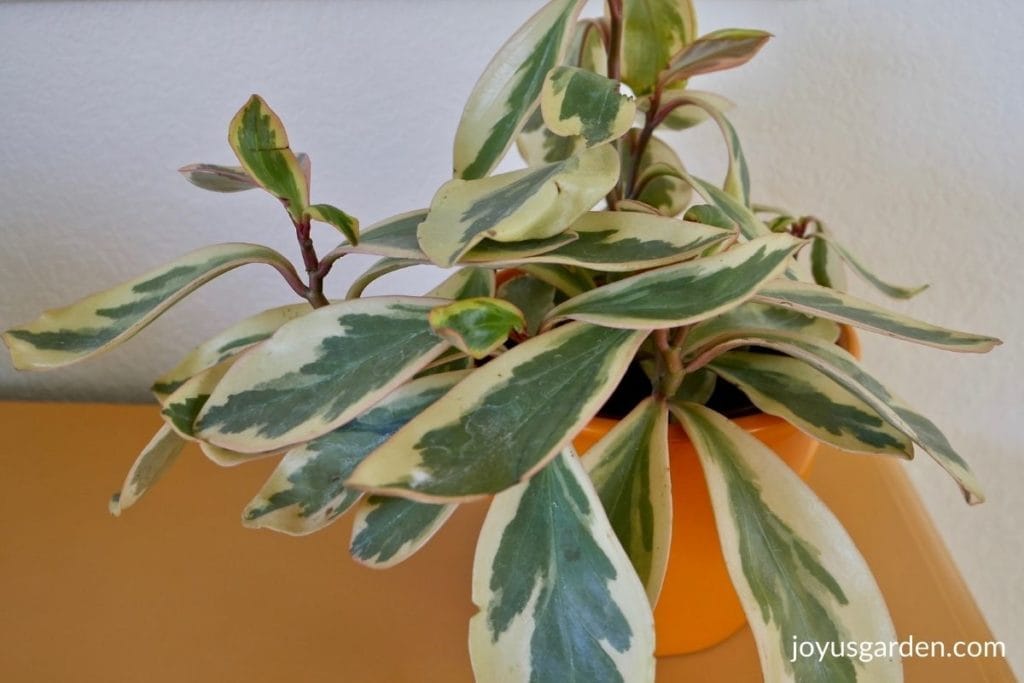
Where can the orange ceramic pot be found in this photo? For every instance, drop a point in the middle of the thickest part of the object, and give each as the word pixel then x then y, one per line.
pixel 698 606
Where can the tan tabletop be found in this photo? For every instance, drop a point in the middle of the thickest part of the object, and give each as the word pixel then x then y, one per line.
pixel 176 590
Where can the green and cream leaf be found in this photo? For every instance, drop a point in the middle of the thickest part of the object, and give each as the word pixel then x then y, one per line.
pixel 466 283
pixel 230 342
pixel 685 293
pixel 630 471
pixel 752 318
pixel 653 31
pixel 716 51
pixel 895 291
pixel 617 241
pixel 577 102
pixel 260 142
pixel 152 463
pixel 687 116
pixel 510 87
pixel 393 237
pixel 333 216
pixel 797 572
pixel 844 308
pixel 813 402
pixel 320 371
pixel 306 491
pixel 376 271
pixel 507 420
pixel 218 178
pixel 669 193
pixel 98 322
pixel 558 598
pixel 183 405
pixel 532 296
pixel 844 369
pixel 533 203
pixel 477 326
pixel 387 531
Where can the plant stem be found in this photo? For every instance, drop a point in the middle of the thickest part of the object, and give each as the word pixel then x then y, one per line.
pixel 651 121
pixel 315 292
pixel 615 40
pixel 671 362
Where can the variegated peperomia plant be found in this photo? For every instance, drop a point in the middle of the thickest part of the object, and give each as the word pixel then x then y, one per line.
pixel 601 255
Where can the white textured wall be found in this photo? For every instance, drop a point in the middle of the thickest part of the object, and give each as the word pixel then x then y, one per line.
pixel 897 122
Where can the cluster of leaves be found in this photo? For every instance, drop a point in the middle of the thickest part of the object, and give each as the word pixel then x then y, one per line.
pixel 404 407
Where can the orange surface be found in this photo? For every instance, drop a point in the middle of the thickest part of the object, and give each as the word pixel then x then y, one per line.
pixel 176 590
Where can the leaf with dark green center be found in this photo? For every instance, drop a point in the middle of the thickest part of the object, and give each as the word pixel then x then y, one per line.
pixel 616 241
pixel 534 203
pixel 653 31
pixel 260 142
pixel 566 279
pixel 558 599
pixel 183 405
pixel 808 399
pixel 796 570
pixel 826 266
pixel 696 387
pixel 387 531
pixel 345 224
pixel 509 88
pixel 532 296
pixel 149 467
pixel 230 342
pixel 577 102
pixel 629 469
pixel 320 371
pixel 716 51
pixel 496 254
pixel 101 321
pixel 306 491
pixel 844 308
pixel 506 420
pixel 844 369
pixel 748 223
pixel 465 283
pixel 684 293
pixel 751 318
pixel 393 237
pixel 477 326
pixel 708 215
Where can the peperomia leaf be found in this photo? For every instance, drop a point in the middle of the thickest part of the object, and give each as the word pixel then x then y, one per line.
pixel 477 326
pixel 230 342
pixel 745 219
pixel 687 116
pixel 666 192
pixel 375 272
pixel 629 468
pixel 737 176
pixel 530 204
pixel 507 420
pixel 618 241
pixel 260 142
pixel 724 49
pixel 826 266
pixel 387 531
pixel 345 224
pixel 490 253
pixel 466 283
pixel 653 31
pixel 318 372
pixel 103 320
pixel 577 102
pixel 811 401
pixel 895 291
pixel 844 308
pixel 182 406
pixel 753 317
pixel 798 573
pixel 509 88
pixel 558 598
pixel 218 178
pixel 684 293
pixel 393 237
pixel 532 296
pixel 845 370
pixel 306 491
pixel 155 459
